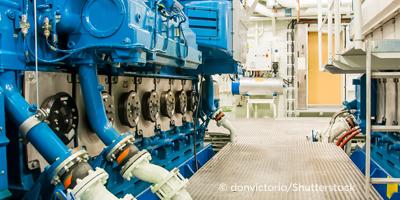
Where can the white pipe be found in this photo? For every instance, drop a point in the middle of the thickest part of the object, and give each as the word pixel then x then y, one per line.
pixel 99 191
pixel 339 126
pixel 303 3
pixel 258 86
pixel 330 37
pixel 224 122
pixel 164 182
pixel 280 13
pixel 150 173
pixel 92 187
pixel 338 24
pixel 319 34
pixel 253 4
pixel 155 174
pixel 264 11
pixel 357 23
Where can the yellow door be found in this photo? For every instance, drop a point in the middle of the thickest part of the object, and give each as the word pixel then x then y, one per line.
pixel 324 88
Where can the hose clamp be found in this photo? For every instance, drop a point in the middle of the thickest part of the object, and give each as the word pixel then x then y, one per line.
pixel 32 121
pixel 28 124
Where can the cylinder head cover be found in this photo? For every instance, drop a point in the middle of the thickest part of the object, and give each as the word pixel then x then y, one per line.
pixel 168 104
pixel 181 103
pixel 129 109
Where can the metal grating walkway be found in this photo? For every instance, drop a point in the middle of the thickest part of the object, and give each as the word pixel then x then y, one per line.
pixel 261 166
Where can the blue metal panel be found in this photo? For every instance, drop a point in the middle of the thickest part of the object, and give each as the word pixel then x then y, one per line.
pixel 9 42
pixel 133 36
pixel 377 171
pixel 212 21
pixel 3 154
pixel 52 149
pixel 360 98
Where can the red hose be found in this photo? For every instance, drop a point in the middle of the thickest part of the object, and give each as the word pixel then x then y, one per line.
pixel 345 135
pixel 350 137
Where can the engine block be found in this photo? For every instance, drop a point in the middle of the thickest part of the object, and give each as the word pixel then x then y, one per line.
pixel 106 99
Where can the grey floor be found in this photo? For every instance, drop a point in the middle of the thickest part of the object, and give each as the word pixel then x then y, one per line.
pixel 274 160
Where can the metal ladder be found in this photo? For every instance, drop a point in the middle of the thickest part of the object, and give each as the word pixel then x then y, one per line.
pixel 291 89
pixel 374 128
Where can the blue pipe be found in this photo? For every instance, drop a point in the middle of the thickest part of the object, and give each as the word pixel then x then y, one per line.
pixel 41 136
pixel 91 90
pixel 395 147
pixel 209 94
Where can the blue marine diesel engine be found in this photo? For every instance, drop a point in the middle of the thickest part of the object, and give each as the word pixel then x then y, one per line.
pixel 106 99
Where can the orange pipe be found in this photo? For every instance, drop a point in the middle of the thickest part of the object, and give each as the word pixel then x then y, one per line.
pixel 350 137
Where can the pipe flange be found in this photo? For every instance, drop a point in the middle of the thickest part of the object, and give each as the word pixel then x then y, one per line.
pixel 151 106
pixel 67 164
pixel 108 105
pixel 168 104
pixel 119 147
pixel 62 115
pixel 94 177
pixel 171 185
pixel 136 160
pixel 129 109
pixel 181 103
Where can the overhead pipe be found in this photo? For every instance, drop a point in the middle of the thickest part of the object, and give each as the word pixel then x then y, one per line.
pixel 280 13
pixel 303 3
pixel 261 9
pixel 53 150
pixel 309 13
pixel 134 163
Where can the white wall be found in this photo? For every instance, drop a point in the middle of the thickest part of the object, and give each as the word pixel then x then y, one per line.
pixel 262 41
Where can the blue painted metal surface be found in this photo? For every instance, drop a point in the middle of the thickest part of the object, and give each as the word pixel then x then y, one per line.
pixel 134 37
pixel 360 100
pixel 385 153
pixel 212 21
pixel 377 171
pixel 52 149
pixel 94 106
pixel 4 192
